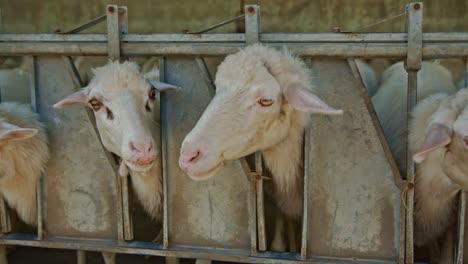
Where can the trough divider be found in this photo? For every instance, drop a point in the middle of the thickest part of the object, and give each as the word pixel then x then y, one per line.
pixel 412 66
pixel 256 208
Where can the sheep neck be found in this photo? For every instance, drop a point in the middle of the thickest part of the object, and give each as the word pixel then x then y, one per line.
pixel 286 173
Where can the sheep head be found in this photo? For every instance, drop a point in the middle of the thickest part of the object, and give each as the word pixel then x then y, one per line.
pixel 258 92
pixel 125 108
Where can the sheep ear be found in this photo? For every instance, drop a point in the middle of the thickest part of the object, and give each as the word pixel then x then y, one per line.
pixel 302 99
pixel 436 137
pixel 162 87
pixel 80 97
pixel 12 132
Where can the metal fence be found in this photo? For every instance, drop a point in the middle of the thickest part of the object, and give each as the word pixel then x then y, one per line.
pixel 353 208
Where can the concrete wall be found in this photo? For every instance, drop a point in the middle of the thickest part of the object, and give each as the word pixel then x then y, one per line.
pixel 158 16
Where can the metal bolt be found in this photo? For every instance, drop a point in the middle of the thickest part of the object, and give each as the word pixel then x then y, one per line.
pixel 110 9
pixel 417 6
pixel 251 10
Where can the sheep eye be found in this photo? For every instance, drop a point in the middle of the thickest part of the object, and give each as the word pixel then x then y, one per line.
pixel 265 102
pixel 95 104
pixel 152 93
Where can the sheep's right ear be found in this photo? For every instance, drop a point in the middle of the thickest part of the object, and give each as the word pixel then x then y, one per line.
pixel 12 132
pixel 162 87
pixel 302 99
pixel 437 136
pixel 79 97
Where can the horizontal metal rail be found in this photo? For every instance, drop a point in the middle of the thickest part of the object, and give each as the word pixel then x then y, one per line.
pixel 156 249
pixel 368 45
pixel 239 37
pixel 343 50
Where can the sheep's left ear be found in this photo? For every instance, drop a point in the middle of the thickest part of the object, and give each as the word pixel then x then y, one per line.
pixel 162 87
pixel 79 97
pixel 12 132
pixel 303 100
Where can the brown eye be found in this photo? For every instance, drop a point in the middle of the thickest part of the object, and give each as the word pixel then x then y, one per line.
pixel 152 93
pixel 95 104
pixel 265 102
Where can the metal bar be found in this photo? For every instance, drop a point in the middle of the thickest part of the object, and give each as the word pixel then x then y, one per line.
pixel 113 32
pixel 127 215
pixel 260 203
pixel 85 25
pixel 252 24
pixel 5 224
pixel 252 31
pixel 466 72
pixel 148 248
pixel 81 257
pixel 331 50
pixel 435 37
pixel 412 65
pixel 164 152
pixel 217 25
pixel 305 216
pixel 460 228
pixel 31 65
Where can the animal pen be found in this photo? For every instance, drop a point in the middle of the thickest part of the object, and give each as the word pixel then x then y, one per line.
pixel 357 206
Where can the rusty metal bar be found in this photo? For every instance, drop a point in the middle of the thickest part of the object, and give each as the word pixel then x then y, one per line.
pixel 260 203
pixel 305 216
pixel 412 65
pixel 113 32
pixel 252 31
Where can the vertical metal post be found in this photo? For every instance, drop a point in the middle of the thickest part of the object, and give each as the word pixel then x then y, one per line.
pixel 81 257
pixel 256 208
pixel 162 74
pixel 305 216
pixel 117 24
pixel 461 206
pixel 5 224
pixel 412 65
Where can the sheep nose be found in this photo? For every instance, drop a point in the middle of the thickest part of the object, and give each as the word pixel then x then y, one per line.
pixel 141 145
pixel 143 151
pixel 189 157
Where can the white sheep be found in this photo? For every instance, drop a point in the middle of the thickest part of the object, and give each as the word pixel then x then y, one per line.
pixel 24 153
pixel 263 102
pixel 439 142
pixel 368 76
pixel 390 103
pixel 432 120
pixel 126 108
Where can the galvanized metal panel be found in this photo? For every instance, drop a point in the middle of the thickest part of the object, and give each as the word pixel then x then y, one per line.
pixel 212 213
pixel 354 204
pixel 80 188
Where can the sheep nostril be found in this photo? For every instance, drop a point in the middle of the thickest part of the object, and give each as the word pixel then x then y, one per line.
pixel 195 157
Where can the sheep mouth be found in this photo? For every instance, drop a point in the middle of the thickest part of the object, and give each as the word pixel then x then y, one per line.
pixel 138 166
pixel 204 175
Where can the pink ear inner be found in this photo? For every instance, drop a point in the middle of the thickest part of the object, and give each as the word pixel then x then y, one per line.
pixel 303 100
pixel 17 133
pixel 437 136
pixel 75 98
pixel 162 87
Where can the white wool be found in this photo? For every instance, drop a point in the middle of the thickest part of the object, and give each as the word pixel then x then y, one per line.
pixel 22 161
pixel 390 104
pixel 435 192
